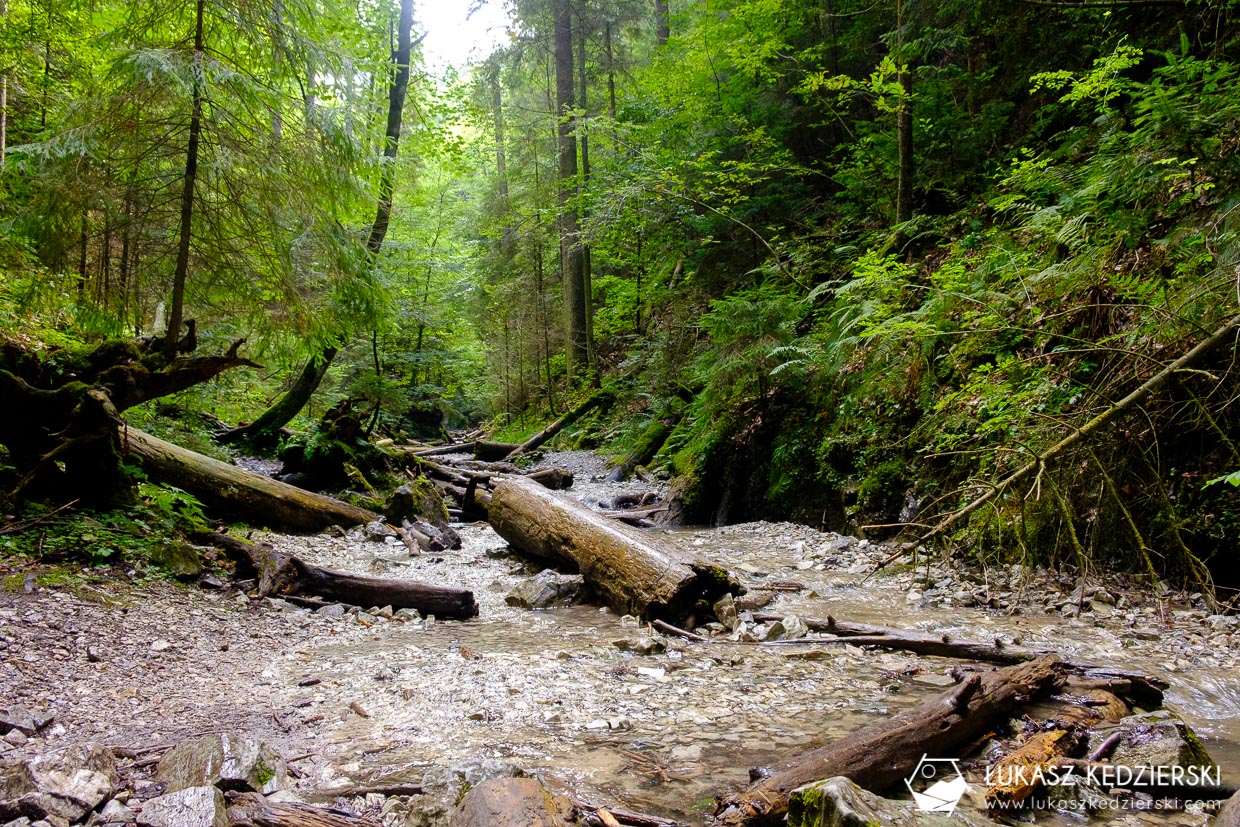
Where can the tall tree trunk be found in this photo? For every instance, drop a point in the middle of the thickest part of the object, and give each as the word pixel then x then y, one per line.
pixel 4 97
pixel 571 260
pixel 587 286
pixel 904 129
pixel 501 169
pixel 662 26
pixel 290 404
pixel 176 313
pixel 611 70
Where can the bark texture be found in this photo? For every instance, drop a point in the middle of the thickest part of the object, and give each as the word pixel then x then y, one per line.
pixel 633 571
pixel 232 491
pixel 880 756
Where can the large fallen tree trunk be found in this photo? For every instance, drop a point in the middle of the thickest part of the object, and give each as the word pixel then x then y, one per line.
pixel 634 572
pixel 283 574
pixel 882 755
pixel 596 399
pixel 232 491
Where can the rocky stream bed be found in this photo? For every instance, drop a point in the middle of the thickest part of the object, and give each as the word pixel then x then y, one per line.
pixel 596 704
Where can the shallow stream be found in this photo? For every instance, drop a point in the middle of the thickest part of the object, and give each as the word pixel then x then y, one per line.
pixel 549 690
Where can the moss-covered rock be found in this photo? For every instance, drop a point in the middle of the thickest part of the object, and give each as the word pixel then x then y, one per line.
pixel 838 802
pixel 417 500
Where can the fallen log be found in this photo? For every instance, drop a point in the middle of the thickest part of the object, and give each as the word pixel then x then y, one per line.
pixel 880 756
pixel 512 802
pixel 1145 689
pixel 596 399
pixel 633 571
pixel 283 574
pixel 458 448
pixel 252 810
pixel 485 451
pixel 231 491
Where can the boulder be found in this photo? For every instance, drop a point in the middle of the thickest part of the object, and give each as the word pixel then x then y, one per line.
pixel 547 589
pixel 444 787
pixel 61 786
pixel 179 559
pixel 225 761
pixel 512 802
pixel 838 802
pixel 191 807
pixel 417 500
pixel 1159 739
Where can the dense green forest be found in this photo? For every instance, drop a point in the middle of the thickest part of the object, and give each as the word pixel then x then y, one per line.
pixel 970 271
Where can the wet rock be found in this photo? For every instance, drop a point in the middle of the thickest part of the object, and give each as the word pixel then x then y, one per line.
pixel 63 785
pixel 225 761
pixel 179 559
pixel 547 589
pixel 190 807
pixel 725 612
pixel 838 802
pixel 641 645
pixel 377 531
pixel 790 627
pixel 444 787
pixel 1159 739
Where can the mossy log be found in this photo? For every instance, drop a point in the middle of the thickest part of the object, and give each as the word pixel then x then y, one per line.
pixel 231 491
pixel 880 756
pixel 284 574
pixel 597 399
pixel 634 572
pixel 61 416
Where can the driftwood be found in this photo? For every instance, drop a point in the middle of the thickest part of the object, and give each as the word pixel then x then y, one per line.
pixel 252 810
pixel 634 572
pixel 512 802
pixel 281 574
pixel 597 815
pixel 228 490
pixel 880 756
pixel 1145 689
pixel 596 399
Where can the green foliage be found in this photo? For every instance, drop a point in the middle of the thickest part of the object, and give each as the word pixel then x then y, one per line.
pixel 128 536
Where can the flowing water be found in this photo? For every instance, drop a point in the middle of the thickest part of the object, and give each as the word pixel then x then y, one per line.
pixel 551 692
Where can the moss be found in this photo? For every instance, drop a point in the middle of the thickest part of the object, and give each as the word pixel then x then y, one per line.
pixel 881 486
pixel 263 773
pixel 1198 755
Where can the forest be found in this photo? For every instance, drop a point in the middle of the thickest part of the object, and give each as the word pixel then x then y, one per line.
pixel 956 281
